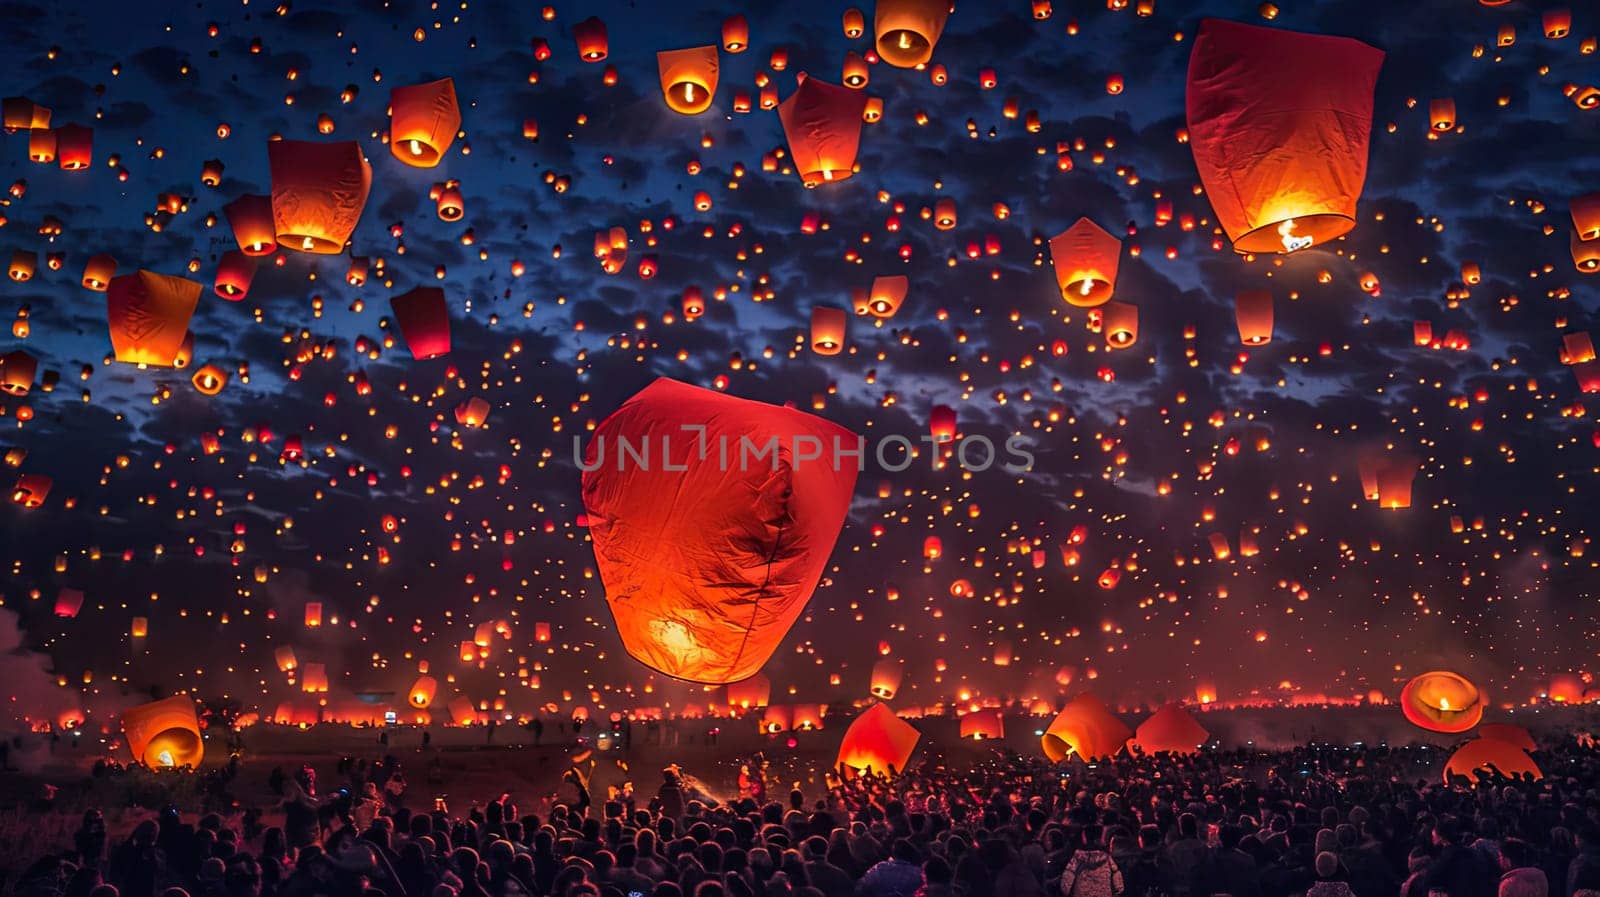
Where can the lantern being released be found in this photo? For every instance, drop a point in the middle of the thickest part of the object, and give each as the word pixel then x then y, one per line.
pixel 164 734
pixel 907 30
pixel 1279 123
pixel 707 558
pixel 1172 730
pixel 1442 701
pixel 1085 728
pixel 1086 259
pixel 823 125
pixel 878 741
pixel 688 78
pixel 148 315
pixel 318 193
pixel 423 121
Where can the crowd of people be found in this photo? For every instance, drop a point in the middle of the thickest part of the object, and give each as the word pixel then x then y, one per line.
pixel 1317 821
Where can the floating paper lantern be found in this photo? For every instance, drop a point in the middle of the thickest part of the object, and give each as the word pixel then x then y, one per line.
pixel 1442 114
pixel 424 320
pixel 318 193
pixel 855 24
pixel 31 490
pixel 449 204
pixel 822 123
pixel 877 741
pixel 23 265
pixel 1442 701
pixel 1585 212
pixel 735 33
pixel 908 29
pixel 21 114
pixel 284 656
pixel 706 566
pixel 17 370
pixel 1585 254
pixel 1171 730
pixel 1084 728
pixel 1557 23
pixel 828 325
pixel 422 692
pixel 99 270
pixel 68 603
pixel 983 725
pixel 473 412
pixel 209 379
pixel 886 295
pixel 423 121
pixel 590 35
pixel 234 274
pixel 164 734
pixel 1120 323
pixel 1086 260
pixel 148 316
pixel 250 217
pixel 854 73
pixel 42 145
pixel 688 78
pixel 139 628
pixel 885 681
pixel 1252 310
pixel 1279 123
pixel 74 147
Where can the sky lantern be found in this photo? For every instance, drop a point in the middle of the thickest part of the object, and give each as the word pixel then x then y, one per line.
pixel 944 214
pixel 1565 688
pixel 42 145
pixel 1395 476
pixel 448 204
pixel 74 147
pixel 164 734
pixel 1120 324
pixel 234 274
pixel 318 193
pixel 1085 728
pixel 854 23
pixel 98 271
pixel 1441 701
pixel 855 73
pixel 209 379
pixel 422 692
pixel 17 370
pixel 424 321
pixel 148 316
pixel 1490 755
pixel 1171 730
pixel 1086 260
pixel 908 29
pixel 23 265
pixel 886 295
pixel 983 725
pixel 1585 212
pixel 423 121
pixel 707 565
pixel 755 691
pixel 878 741
pixel 21 114
pixel 688 78
pixel 590 35
pixel 313 614
pixel 31 489
pixel 283 655
pixel 250 217
pixel 1252 309
pixel 68 602
pixel 822 123
pixel 139 628
pixel 1442 114
pixel 1557 23
pixel 735 33
pixel 942 423
pixel 828 325
pixel 932 548
pixel 1585 254
pixel 1576 347
pixel 1279 123
pixel 885 680
pixel 474 412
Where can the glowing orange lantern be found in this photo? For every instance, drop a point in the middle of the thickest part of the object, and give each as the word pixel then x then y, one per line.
pixel 1441 701
pixel 908 29
pixel 31 489
pixel 885 680
pixel 822 123
pixel 74 147
pixel 1283 167
pixel 423 121
pixel 1171 730
pixel 878 741
pixel 234 275
pixel 735 33
pixel 1120 323
pixel 1442 114
pixel 422 692
pixel 148 316
pixel 318 193
pixel 590 35
pixel 886 295
pixel 250 216
pixel 983 725
pixel 164 734
pixel 209 379
pixel 688 78
pixel 1084 728
pixel 828 325
pixel 98 272
pixel 688 550
pixel 1086 260
pixel 1252 309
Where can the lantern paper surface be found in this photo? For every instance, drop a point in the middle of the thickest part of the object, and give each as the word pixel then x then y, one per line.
pixel 424 321
pixel 823 125
pixel 1085 728
pixel 1171 729
pixel 165 733
pixel 148 315
pixel 424 119
pixel 688 78
pixel 707 563
pixel 318 193
pixel 1279 123
pixel 877 740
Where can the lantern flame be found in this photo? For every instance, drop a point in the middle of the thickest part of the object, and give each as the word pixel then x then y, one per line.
pixel 416 147
pixel 1444 703
pixel 165 757
pixel 1290 241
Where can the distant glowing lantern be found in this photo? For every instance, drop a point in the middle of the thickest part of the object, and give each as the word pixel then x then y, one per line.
pixel 932 548
pixel 1557 23
pixel 822 123
pixel 1120 323
pixel 1442 114
pixel 590 35
pixel 1283 167
pixel 855 24
pixel 318 193
pixel 17 370
pixel 1441 701
pixel 23 265
pixel 474 412
pixel 99 270
pixel 1585 254
pixel 424 321
pixel 422 692
pixel 31 489
pixel 148 316
pixel 735 33
pixel 1252 309
pixel 209 379
pixel 164 734
pixel 423 121
pixel 702 578
pixel 1086 260
pixel 907 30
pixel 828 325
pixel 885 680
pixel 688 78
pixel 942 423
pixel 878 741
pixel 68 602
pixel 886 295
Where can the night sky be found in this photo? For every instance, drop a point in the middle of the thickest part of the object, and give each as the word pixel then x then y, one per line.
pixel 1150 449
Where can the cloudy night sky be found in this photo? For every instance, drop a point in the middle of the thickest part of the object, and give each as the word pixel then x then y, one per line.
pixel 1152 450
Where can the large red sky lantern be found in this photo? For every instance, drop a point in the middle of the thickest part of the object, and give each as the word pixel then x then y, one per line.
pixel 1279 123
pixel 424 320
pixel 708 561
